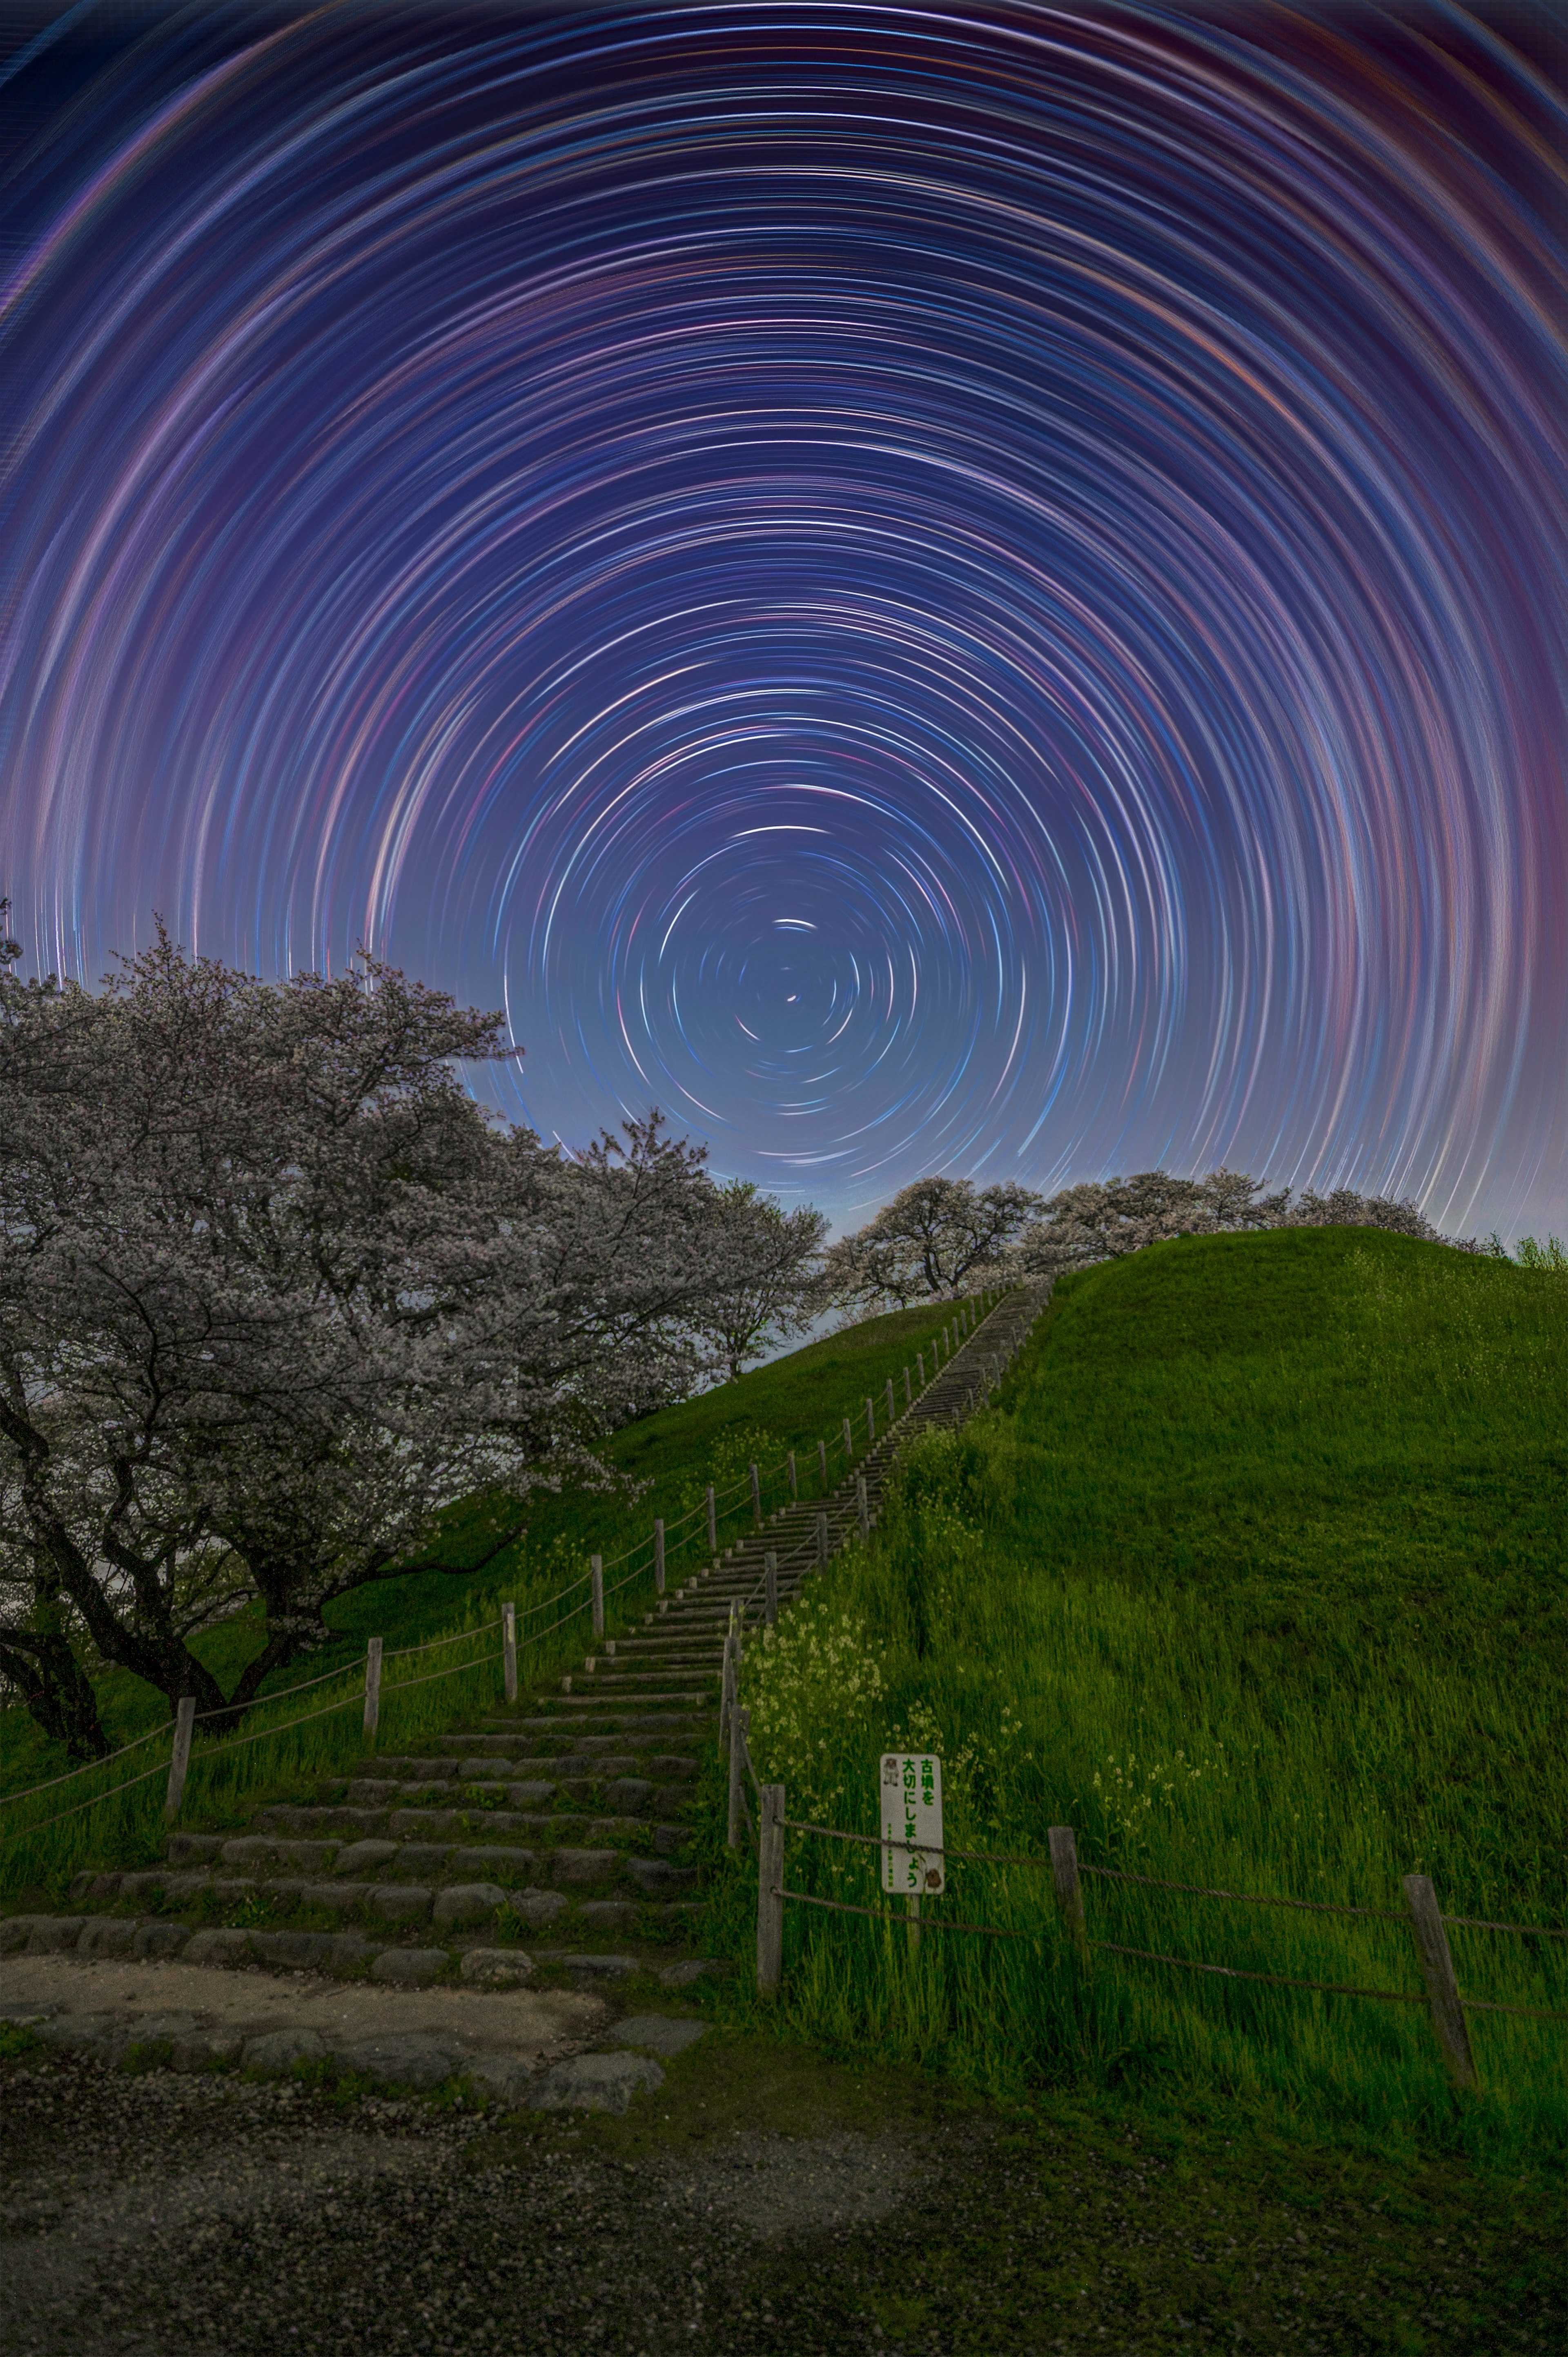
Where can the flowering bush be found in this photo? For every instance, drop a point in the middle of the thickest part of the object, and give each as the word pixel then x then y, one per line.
pixel 1136 1799
pixel 818 1673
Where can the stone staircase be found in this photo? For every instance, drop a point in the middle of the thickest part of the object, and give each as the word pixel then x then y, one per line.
pixel 568 1816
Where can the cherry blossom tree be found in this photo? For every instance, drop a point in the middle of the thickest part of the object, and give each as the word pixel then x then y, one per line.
pixel 934 1239
pixel 273 1290
pixel 777 1297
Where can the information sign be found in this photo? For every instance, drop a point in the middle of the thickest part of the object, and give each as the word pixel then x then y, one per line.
pixel 912 1859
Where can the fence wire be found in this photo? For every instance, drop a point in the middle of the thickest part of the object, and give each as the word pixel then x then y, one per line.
pixel 1276 1980
pixel 43 1826
pixel 85 1770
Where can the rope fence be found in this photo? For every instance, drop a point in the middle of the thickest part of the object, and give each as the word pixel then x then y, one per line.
pixel 1421 1917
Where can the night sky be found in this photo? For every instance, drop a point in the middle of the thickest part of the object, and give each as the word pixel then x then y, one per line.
pixel 976 590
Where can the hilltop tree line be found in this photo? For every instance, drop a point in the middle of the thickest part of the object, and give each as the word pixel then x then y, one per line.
pixel 275 1290
pixel 945 1236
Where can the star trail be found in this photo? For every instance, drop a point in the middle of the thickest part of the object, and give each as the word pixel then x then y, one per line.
pixel 971 590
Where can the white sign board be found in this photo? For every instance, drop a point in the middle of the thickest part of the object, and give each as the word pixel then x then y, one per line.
pixel 912 1858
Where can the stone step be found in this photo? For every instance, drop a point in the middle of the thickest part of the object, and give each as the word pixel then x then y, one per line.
pixel 594 1715
pixel 91 1937
pixel 651 1679
pixel 458 1885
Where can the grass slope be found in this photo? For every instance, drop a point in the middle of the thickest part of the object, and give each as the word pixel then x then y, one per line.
pixel 1256 1577
pixel 788 1404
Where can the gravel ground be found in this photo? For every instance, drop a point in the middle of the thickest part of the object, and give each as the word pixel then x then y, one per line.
pixel 188 2214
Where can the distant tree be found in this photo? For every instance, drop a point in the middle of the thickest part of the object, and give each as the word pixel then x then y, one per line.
pixel 1551 1254
pixel 273 1290
pixel 776 1298
pixel 1345 1209
pixel 934 1239
pixel 1103 1219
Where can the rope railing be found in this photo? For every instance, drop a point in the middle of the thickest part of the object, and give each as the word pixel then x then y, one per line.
pixel 86 1768
pixel 161 1770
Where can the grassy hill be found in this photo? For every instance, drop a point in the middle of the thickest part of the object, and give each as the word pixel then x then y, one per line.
pixel 787 1405
pixel 1257 1576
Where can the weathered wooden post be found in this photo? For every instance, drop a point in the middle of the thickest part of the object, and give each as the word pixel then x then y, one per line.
pixel 1442 1989
pixel 821 1541
pixel 892 1411
pixel 863 1506
pixel 373 1685
pixel 728 1690
pixel 794 1484
pixel 848 1443
pixel 179 1759
pixel 912 1908
pixel 659 1554
pixel 770 1891
pixel 596 1574
pixel 739 1722
pixel 920 1366
pixel 508 1651
pixel 1069 1890
pixel 770 1589
pixel 755 1497
pixel 713 1524
pixel 870 1423
pixel 823 1464
pixel 908 1396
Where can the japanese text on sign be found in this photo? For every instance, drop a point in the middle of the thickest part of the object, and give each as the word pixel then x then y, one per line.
pixel 911 1803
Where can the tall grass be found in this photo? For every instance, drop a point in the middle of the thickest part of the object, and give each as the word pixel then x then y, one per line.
pixel 1255 1576
pixel 676 1453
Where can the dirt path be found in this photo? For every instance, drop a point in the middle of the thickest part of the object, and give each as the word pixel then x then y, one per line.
pixel 760 2201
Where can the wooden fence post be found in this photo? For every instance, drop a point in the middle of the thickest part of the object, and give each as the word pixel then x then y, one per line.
pixel 908 1396
pixel 770 1891
pixel 596 1574
pixel 727 1693
pixel 179 1759
pixel 713 1524
pixel 659 1554
pixel 794 1484
pixel 1069 1890
pixel 848 1444
pixel 770 1589
pixel 892 1411
pixel 863 1506
pixel 921 1364
pixel 373 1685
pixel 822 1463
pixel 870 1423
pixel 755 1497
pixel 821 1541
pixel 739 1722
pixel 508 1649
pixel 1442 1989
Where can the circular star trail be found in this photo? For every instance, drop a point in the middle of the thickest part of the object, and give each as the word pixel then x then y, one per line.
pixel 973 591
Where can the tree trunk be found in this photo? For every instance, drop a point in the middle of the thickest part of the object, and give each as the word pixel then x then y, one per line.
pixel 55 1689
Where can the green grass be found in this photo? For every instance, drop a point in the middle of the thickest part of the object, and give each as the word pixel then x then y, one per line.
pixel 1255 1576
pixel 787 1405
